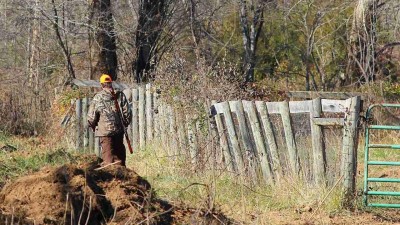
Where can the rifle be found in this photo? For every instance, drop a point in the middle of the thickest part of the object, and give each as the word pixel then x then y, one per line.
pixel 121 116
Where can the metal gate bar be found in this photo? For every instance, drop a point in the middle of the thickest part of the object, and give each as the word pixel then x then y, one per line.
pixel 368 163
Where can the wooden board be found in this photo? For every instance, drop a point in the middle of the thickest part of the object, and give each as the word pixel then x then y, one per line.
pixel 328 105
pixel 325 95
pixel 237 159
pixel 78 123
pixel 248 150
pixel 289 137
pixel 142 118
pixel 149 114
pixel 270 139
pixel 262 153
pixel 135 119
pixel 223 140
pixel 349 149
pixel 319 163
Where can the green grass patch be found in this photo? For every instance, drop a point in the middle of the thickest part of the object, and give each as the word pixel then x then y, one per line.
pixel 13 165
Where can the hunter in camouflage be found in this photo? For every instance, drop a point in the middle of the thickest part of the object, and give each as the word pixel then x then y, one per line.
pixel 104 118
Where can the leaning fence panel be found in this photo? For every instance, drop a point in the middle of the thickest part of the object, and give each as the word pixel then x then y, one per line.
pixel 267 141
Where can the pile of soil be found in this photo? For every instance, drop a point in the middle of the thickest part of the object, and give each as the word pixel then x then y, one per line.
pixel 79 194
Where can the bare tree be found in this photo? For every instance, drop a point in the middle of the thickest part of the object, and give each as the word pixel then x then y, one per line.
pixel 102 19
pixel 151 21
pixel 63 43
pixel 33 49
pixel 363 41
pixel 251 21
pixel 365 48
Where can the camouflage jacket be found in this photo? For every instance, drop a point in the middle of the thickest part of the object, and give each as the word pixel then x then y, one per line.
pixel 103 114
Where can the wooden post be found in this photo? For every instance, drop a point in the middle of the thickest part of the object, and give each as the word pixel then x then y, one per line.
pixel 199 138
pixel 128 95
pixel 290 142
pixel 208 158
pixel 78 111
pixel 156 116
pixel 182 140
pixel 349 150
pixel 85 123
pixel 91 135
pixel 192 140
pixel 230 126
pixel 224 143
pixel 270 136
pixel 319 163
pixel 142 128
pixel 250 153
pixel 262 153
pixel 149 115
pixel 163 132
pixel 135 119
pixel 172 131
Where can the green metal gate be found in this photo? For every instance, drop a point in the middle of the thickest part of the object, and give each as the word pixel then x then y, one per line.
pixel 369 163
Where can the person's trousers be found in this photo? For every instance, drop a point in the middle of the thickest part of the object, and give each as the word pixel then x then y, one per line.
pixel 113 149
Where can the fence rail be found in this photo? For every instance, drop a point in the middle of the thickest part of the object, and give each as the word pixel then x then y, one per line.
pixel 241 136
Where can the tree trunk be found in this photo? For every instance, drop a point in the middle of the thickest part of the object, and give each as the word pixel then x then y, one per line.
pixel 151 17
pixel 105 37
pixel 250 34
pixel 62 43
pixel 34 50
pixel 362 47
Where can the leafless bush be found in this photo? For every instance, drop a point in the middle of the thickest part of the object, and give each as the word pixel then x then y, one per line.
pixel 190 85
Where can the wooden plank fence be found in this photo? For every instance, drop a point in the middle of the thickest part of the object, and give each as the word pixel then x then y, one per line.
pixel 240 136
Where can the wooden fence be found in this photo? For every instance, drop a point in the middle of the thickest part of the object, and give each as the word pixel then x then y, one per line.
pixel 241 136
pixel 250 129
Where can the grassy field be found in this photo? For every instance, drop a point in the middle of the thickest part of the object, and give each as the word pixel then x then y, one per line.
pixel 289 202
pixel 234 195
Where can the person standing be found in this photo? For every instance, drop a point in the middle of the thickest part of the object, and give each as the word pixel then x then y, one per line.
pixel 104 118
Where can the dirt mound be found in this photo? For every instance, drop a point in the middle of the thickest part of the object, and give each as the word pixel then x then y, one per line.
pixel 82 195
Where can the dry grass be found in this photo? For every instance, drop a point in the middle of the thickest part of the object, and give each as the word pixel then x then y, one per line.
pixel 234 195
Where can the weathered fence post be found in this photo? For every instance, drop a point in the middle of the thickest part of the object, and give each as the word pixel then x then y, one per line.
pixel 249 154
pixel 223 140
pixel 128 95
pixel 192 140
pixel 181 132
pixel 156 113
pixel 135 119
pixel 215 152
pixel 262 153
pixel 149 115
pixel 163 127
pixel 230 126
pixel 172 131
pixel 319 163
pixel 91 135
pixel 290 141
pixel 78 111
pixel 349 150
pixel 142 131
pixel 85 123
pixel 270 136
